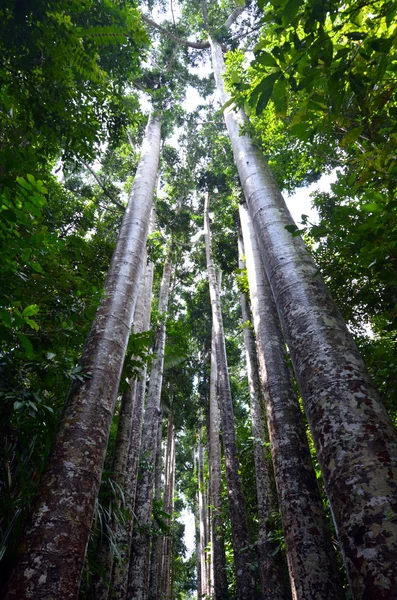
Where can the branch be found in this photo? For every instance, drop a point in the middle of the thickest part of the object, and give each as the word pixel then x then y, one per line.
pixel 233 17
pixel 177 39
pixel 205 13
pixel 99 182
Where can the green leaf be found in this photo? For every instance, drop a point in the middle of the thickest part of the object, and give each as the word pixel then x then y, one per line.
pixel 290 11
pixel 227 104
pixel 351 136
pixel 266 59
pixel 5 317
pixel 32 324
pixel 381 45
pixel 37 267
pixel 371 207
pixel 263 91
pixel 31 310
pixel 23 183
pixel 280 97
pixel 26 344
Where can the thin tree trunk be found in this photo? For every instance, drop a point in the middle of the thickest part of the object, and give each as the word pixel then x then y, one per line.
pixel 270 564
pixel 214 459
pixel 202 508
pixel 355 440
pixel 169 508
pixel 138 579
pixel 137 390
pixel 244 579
pixel 310 554
pixel 155 555
pixel 53 549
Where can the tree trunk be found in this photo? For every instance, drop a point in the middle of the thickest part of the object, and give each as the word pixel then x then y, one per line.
pixel 137 390
pixel 168 508
pixel 214 461
pixel 53 548
pixel 270 564
pixel 245 582
pixel 355 440
pixel 138 578
pixel 155 555
pixel 310 554
pixel 202 509
pixel 120 455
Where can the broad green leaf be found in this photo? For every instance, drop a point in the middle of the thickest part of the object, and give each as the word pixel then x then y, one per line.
pixel 227 104
pixel 23 183
pixel 351 136
pixel 371 207
pixel 266 59
pixel 32 324
pixel 280 97
pixel 31 310
pixel 37 267
pixel 5 317
pixel 26 344
pixel 290 11
pixel 263 91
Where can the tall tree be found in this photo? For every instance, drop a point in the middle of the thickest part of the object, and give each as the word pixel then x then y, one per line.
pixel 53 549
pixel 215 476
pixel 269 559
pixel 202 508
pixel 245 582
pixel 304 524
pixel 135 390
pixel 354 437
pixel 138 578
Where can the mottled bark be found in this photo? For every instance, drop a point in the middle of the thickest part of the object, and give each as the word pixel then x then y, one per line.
pixel 355 440
pixel 137 390
pixel 138 579
pixel 155 553
pixel 168 508
pixel 214 461
pixel 310 554
pixel 51 555
pixel 244 579
pixel 202 509
pixel 269 559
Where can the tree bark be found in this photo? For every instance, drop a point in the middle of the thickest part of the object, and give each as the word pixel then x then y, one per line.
pixel 155 554
pixel 269 559
pixel 355 440
pixel 138 578
pixel 214 460
pixel 244 579
pixel 53 549
pixel 310 554
pixel 136 391
pixel 202 509
pixel 168 508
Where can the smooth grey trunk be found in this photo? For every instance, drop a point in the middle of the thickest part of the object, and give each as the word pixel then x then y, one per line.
pixel 52 552
pixel 215 475
pixel 240 540
pixel 202 510
pixel 310 554
pixel 102 583
pixel 137 390
pixel 138 578
pixel 355 440
pixel 155 554
pixel 269 558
